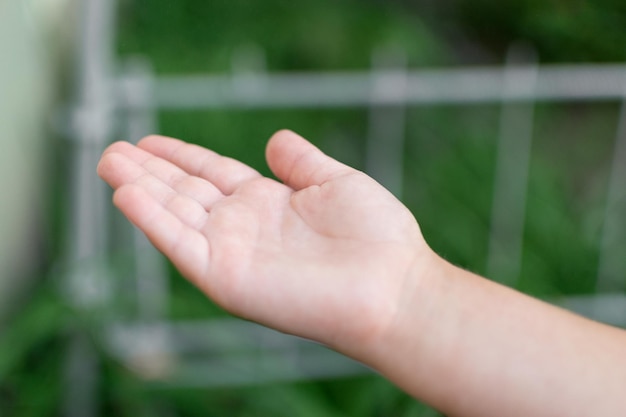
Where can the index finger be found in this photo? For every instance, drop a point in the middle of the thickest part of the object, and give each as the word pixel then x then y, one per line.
pixel 225 173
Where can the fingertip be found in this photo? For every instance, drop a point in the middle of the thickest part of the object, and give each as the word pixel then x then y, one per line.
pixel 117 147
pixel 151 140
pixel 285 142
pixel 277 152
pixel 299 163
pixel 107 163
pixel 111 168
pixel 102 166
pixel 147 139
pixel 283 135
pixel 134 202
pixel 276 140
pixel 119 196
pixel 126 196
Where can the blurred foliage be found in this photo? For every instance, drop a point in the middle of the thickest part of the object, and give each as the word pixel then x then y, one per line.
pixel 191 35
pixel 562 31
pixel 449 164
pixel 31 356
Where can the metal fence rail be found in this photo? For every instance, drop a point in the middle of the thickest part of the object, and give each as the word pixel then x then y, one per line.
pixel 555 83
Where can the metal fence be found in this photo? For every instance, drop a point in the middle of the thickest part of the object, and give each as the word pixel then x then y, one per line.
pixel 231 352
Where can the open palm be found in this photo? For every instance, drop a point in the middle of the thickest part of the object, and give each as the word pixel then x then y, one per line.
pixel 320 255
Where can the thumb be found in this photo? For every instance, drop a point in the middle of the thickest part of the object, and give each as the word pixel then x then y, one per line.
pixel 298 163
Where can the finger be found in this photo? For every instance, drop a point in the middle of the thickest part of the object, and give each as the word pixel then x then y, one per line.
pixel 137 162
pixel 299 164
pixel 225 173
pixel 185 246
pixel 187 209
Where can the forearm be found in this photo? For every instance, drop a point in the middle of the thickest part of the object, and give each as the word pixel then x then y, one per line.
pixel 471 347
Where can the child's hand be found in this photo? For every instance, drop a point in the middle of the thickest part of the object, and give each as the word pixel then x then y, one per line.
pixel 323 255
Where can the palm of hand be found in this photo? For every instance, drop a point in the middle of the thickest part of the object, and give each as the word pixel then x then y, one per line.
pixel 314 256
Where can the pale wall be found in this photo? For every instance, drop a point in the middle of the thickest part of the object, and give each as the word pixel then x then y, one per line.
pixel 31 35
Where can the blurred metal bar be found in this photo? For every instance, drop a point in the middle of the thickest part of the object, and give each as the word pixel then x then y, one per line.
pixel 352 89
pixel 612 262
pixel 604 307
pixel 506 236
pixel 387 119
pixel 212 336
pixel 316 363
pixel 248 65
pixel 151 275
pixel 136 96
pixel 92 126
pixel 223 352
pixel 81 378
pixel 86 285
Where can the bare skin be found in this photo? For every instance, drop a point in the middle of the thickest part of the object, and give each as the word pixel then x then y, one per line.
pixel 330 255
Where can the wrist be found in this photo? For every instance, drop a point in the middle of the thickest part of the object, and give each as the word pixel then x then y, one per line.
pixel 407 308
pixel 421 329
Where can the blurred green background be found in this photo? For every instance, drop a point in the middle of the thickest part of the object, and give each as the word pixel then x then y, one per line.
pixel 449 165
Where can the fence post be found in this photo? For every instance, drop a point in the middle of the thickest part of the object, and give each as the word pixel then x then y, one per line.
pixel 512 165
pixel 86 285
pixel 151 275
pixel 612 262
pixel 387 119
